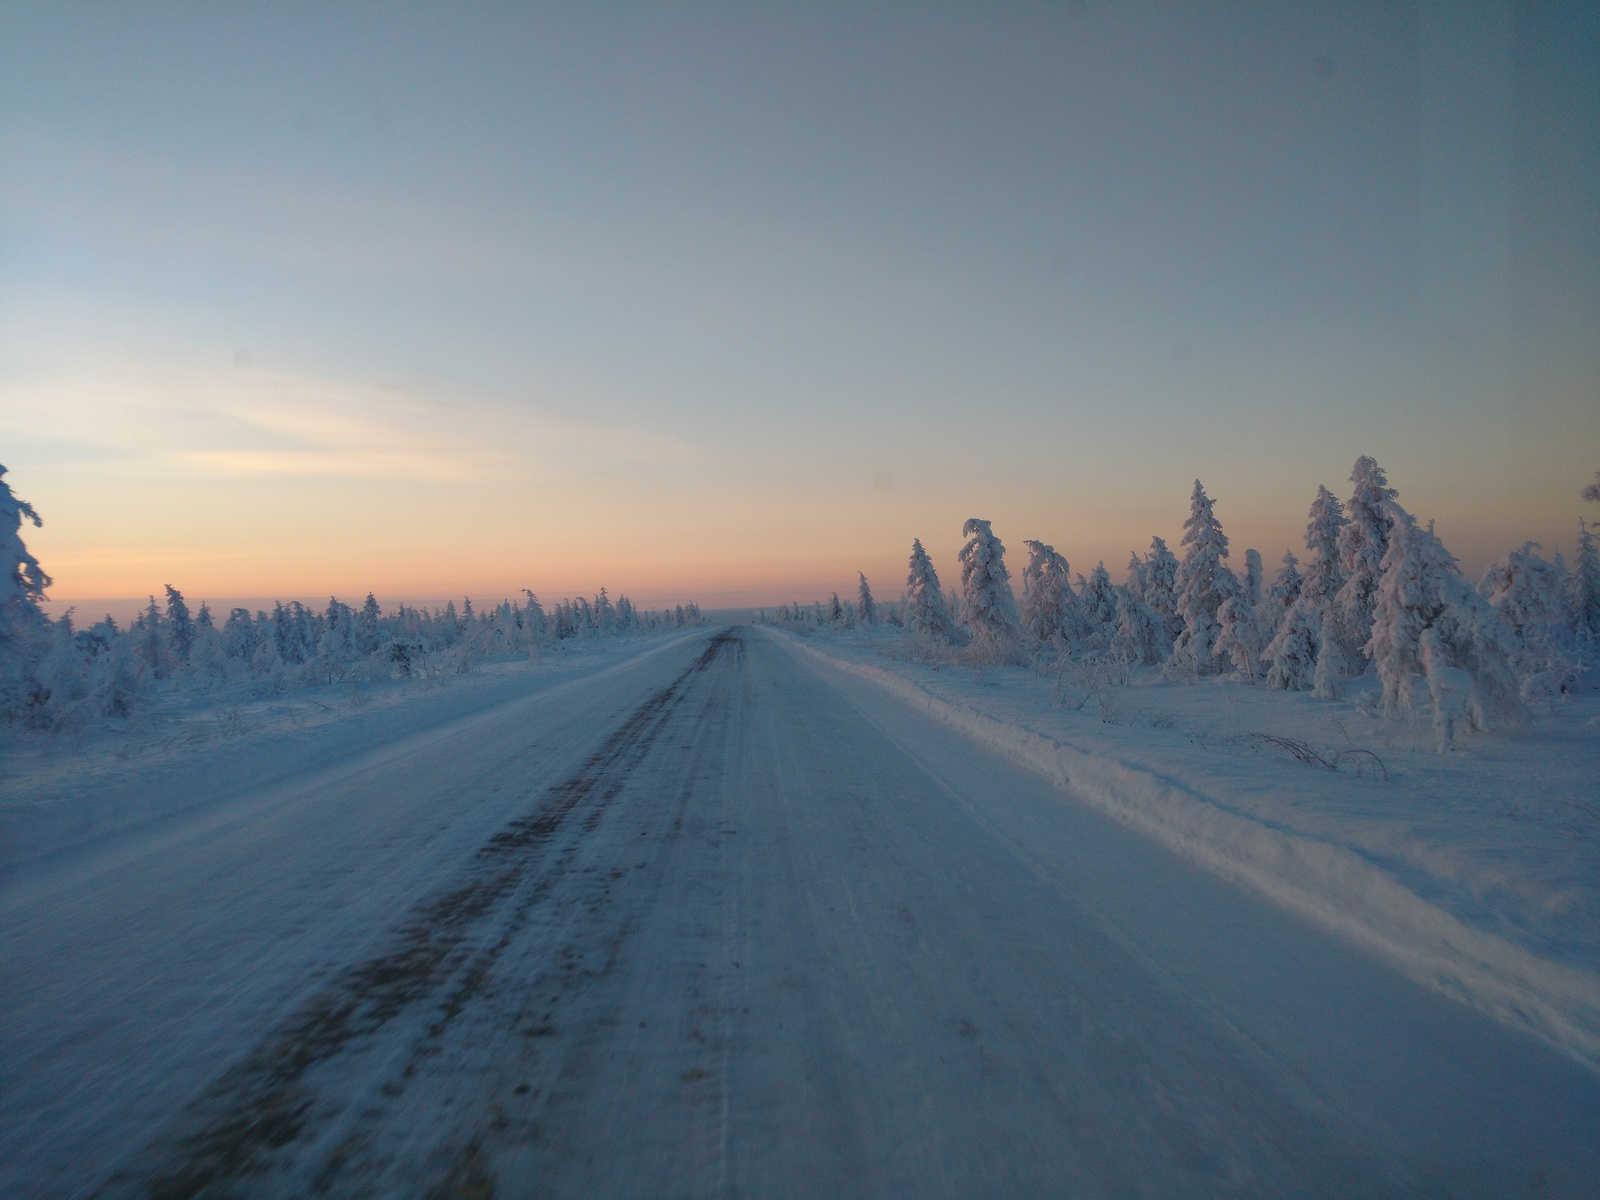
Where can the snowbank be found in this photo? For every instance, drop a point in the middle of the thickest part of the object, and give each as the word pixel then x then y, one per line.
pixel 1508 925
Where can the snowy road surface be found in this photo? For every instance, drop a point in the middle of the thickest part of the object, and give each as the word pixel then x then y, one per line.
pixel 725 922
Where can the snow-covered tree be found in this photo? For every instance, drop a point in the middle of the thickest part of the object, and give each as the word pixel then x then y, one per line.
pixel 1292 654
pixel 866 609
pixel 1362 543
pixel 23 632
pixel 1286 585
pixel 1592 492
pixel 1326 520
pixel 987 605
pixel 22 581
pixel 179 628
pixel 1161 588
pixel 1530 595
pixel 1097 603
pixel 1135 579
pixel 1203 583
pixel 1295 653
pixel 1140 634
pixel 1584 604
pixel 1420 589
pixel 1049 609
pixel 925 610
pixel 1241 640
pixel 1252 577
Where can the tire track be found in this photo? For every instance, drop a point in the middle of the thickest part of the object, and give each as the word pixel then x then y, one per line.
pixel 441 955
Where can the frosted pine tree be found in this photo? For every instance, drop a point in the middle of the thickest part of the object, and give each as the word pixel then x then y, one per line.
pixel 1464 669
pixel 1252 577
pixel 1592 492
pixel 1240 639
pixel 1295 650
pixel 1134 581
pixel 1140 635
pixel 149 646
pixel 1584 589
pixel 866 610
pixel 22 624
pixel 987 605
pixel 1203 583
pixel 1530 595
pixel 925 610
pixel 1161 589
pixel 1049 609
pixel 1326 520
pixel 1097 601
pixel 1362 543
pixel 1285 589
pixel 23 582
pixel 179 629
pixel 1292 654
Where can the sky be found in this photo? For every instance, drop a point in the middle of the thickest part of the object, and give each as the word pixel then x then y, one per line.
pixel 732 302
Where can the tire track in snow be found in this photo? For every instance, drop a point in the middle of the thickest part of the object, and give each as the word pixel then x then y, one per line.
pixel 441 954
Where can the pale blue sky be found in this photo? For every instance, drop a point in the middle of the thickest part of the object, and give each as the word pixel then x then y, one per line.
pixel 743 298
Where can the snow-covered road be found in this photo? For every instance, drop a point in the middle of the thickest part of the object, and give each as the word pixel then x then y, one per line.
pixel 725 921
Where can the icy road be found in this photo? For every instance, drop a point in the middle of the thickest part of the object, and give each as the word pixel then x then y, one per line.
pixel 721 921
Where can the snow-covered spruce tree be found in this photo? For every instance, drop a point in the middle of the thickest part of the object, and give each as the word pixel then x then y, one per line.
pixel 1295 650
pixel 924 601
pixel 1140 635
pixel 1253 573
pixel 1585 590
pixel 1592 491
pixel 1133 581
pixel 1241 640
pixel 179 627
pixel 865 608
pixel 1285 589
pixel 1421 590
pixel 987 605
pixel 23 632
pixel 1362 543
pixel 1097 604
pixel 1203 583
pixel 1292 653
pixel 1325 522
pixel 1049 608
pixel 149 644
pixel 1161 590
pixel 1530 595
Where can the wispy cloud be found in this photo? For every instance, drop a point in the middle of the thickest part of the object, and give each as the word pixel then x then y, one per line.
pixel 273 424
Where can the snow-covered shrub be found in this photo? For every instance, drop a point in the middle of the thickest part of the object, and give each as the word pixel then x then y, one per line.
pixel 987 605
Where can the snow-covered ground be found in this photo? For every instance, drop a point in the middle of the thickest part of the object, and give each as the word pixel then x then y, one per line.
pixel 716 915
pixel 1476 871
pixel 189 751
